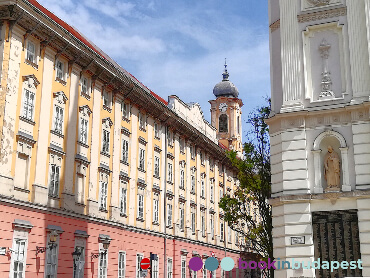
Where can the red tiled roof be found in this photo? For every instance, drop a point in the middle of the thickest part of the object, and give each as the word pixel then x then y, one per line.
pixel 75 33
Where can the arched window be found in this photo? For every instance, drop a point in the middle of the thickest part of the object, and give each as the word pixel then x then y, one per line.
pixel 222 123
pixel 238 123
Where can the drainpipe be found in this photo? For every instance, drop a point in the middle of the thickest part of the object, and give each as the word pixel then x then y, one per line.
pixel 165 201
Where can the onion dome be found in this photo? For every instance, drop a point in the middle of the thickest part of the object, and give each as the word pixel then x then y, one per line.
pixel 225 88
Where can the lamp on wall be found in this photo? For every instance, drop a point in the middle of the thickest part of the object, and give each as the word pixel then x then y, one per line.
pixel 53 237
pixel 103 252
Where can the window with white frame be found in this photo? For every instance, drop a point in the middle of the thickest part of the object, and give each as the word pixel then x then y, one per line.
pixel 139 257
pixel 193 221
pixel 194 274
pixel 31 52
pixel 79 268
pixel 236 238
pixel 124 151
pixel 192 184
pixel 142 121
pixel 103 264
pixel 156 166
pixel 156 130
pixel 123 199
pixel 212 224
pixel 221 193
pixel 142 159
pixel 84 85
pixel 192 151
pixel 156 211
pixel 183 267
pixel 51 261
pixel 58 119
pixel 125 107
pixel 106 99
pixel 211 192
pixel 229 234
pixel 140 206
pixel 204 270
pixel 211 164
pixel 169 179
pixel 155 268
pixel 182 179
pixel 202 189
pixel 213 274
pixel 221 230
pixel 203 223
pixel 54 175
pixel 18 264
pixel 169 268
pixel 28 104
pixel 170 137
pixel 121 264
pixel 105 141
pixel 201 155
pixel 182 218
pixel 169 215
pixel 103 194
pixel 182 145
pixel 59 67
pixel 84 127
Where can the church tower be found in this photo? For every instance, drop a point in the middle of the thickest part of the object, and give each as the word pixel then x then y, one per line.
pixel 226 114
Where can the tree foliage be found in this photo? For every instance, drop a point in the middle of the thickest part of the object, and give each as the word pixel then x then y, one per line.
pixel 254 188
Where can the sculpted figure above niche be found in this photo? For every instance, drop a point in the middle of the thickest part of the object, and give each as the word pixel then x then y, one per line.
pixel 332 170
pixel 318 3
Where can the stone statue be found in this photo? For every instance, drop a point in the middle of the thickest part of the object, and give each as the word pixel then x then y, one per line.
pixel 332 169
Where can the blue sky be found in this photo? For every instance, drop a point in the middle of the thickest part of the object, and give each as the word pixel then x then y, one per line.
pixel 178 46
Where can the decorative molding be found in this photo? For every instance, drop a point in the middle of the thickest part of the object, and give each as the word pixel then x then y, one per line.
pixel 86 111
pixel 125 131
pixel 322 15
pixel 326 82
pixel 124 176
pixel 318 3
pixel 157 148
pixel 182 163
pixel 203 175
pixel 142 140
pixel 61 97
pixel 107 121
pixel 170 156
pixel 141 183
pixel 274 26
pixel 193 169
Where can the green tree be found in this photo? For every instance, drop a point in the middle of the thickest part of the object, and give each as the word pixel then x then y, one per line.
pixel 254 189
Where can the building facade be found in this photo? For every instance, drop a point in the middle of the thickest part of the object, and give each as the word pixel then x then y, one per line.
pixel 320 134
pixel 97 171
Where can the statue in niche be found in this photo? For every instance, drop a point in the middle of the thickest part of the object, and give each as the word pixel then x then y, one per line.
pixel 332 169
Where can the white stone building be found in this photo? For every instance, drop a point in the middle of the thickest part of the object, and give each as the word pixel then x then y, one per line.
pixel 320 82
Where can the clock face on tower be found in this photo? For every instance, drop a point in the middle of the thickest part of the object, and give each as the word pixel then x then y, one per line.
pixel 222 107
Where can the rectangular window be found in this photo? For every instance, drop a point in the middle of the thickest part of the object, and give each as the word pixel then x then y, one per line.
pixel 169 138
pixel 18 258
pixel 169 268
pixel 79 269
pixel 102 273
pixel 139 257
pixel 228 234
pixel 54 172
pixel 192 184
pixel 31 52
pixel 125 107
pixel 59 66
pixel 195 274
pixel 51 262
pixel 155 270
pixel 28 104
pixel 201 158
pixel 202 190
pixel 182 179
pixel 182 145
pixel 156 166
pixel 84 125
pixel 123 201
pixel 221 193
pixel 169 215
pixel 211 192
pixel 124 151
pixel 142 159
pixel 193 222
pixel 156 211
pixel 58 119
pixel 212 224
pixel 203 221
pixel 140 207
pixel 169 172
pixel 106 99
pixel 211 164
pixel 236 238
pixel 142 121
pixel 204 271
pixel 84 85
pixel 156 130
pixel 103 192
pixel 121 264
pixel 183 268
pixel 105 147
pixel 192 151
pixel 221 231
pixel 182 218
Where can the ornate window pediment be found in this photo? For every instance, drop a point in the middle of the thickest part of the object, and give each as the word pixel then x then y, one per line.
pixel 33 82
pixel 85 110
pixel 60 97
pixel 107 122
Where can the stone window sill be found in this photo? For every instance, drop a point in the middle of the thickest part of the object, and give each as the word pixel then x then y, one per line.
pixel 105 154
pixel 61 81
pixel 57 133
pixel 83 144
pixel 85 95
pixel 34 65
pixel 27 120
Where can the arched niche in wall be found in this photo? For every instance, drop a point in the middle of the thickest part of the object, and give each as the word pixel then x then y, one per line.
pixel 320 147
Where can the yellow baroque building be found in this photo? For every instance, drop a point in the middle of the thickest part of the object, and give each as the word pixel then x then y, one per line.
pixel 95 164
